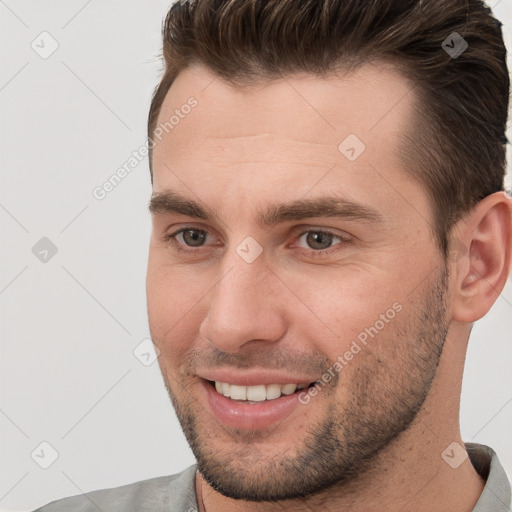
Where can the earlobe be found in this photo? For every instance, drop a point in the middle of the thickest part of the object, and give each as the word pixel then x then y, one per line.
pixel 483 271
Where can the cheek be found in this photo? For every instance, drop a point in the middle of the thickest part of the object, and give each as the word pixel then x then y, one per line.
pixel 174 299
pixel 346 306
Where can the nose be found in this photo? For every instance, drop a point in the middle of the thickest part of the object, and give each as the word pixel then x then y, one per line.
pixel 246 307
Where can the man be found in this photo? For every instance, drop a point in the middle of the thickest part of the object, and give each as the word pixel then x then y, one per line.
pixel 328 222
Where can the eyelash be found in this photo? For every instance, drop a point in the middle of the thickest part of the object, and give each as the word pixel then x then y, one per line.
pixel 171 238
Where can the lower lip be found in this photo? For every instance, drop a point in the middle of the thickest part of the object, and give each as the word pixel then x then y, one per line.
pixel 249 416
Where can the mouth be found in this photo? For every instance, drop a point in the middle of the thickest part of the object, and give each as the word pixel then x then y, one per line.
pixel 254 400
pixel 259 393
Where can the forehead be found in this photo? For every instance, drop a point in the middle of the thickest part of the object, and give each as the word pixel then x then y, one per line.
pixel 284 133
pixel 372 98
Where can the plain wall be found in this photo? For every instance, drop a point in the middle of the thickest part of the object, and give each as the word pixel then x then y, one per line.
pixel 70 325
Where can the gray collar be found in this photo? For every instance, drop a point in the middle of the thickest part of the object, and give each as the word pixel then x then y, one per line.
pixel 496 494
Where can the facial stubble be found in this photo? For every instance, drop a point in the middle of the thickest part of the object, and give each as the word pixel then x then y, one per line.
pixel 383 397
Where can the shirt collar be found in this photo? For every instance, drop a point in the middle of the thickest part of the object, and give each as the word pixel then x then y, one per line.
pixel 496 496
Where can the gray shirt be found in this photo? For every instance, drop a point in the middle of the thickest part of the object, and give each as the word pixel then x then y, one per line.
pixel 176 493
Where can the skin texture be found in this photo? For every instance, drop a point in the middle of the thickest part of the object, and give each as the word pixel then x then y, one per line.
pixel 372 438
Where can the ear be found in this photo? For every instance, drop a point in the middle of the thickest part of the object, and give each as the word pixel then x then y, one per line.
pixel 481 257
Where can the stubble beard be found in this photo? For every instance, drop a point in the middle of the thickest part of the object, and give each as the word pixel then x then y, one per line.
pixel 383 398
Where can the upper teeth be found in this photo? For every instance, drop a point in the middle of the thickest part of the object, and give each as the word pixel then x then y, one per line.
pixel 256 393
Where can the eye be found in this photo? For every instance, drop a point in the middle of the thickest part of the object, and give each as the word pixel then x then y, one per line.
pixel 189 239
pixel 318 240
pixel 192 237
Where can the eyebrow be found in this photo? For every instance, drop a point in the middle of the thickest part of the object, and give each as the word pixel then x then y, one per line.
pixel 171 202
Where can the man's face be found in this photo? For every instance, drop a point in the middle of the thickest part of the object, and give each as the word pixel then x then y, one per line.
pixel 307 257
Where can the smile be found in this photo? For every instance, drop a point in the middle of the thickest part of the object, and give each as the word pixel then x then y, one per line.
pixel 257 393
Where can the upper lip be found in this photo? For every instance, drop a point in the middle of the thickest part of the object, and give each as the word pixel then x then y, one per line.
pixel 253 377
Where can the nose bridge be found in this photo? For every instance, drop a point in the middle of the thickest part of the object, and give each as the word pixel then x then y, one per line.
pixel 239 308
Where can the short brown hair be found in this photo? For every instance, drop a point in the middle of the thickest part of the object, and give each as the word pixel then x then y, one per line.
pixel 456 147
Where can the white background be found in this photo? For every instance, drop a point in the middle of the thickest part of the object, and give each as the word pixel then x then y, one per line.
pixel 69 326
